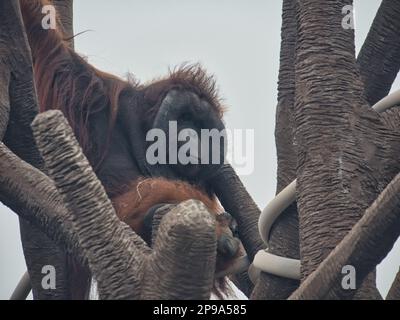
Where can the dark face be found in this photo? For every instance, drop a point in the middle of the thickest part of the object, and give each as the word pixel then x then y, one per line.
pixel 185 109
pixel 195 142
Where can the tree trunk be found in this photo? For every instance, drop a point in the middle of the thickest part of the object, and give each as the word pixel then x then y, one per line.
pixel 4 100
pixel 237 201
pixel 284 239
pixel 182 262
pixel 346 156
pixel 379 58
pixel 363 248
pixel 112 255
pixel 394 292
pixel 33 197
pixel 38 249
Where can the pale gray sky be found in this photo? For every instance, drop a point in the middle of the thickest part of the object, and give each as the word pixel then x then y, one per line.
pixel 236 40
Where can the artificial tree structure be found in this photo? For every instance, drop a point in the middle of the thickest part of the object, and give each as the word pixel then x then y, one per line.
pixel 343 154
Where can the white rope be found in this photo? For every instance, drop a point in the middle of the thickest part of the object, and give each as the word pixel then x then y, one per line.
pixel 281 266
pixel 263 260
pixel 274 208
pixel 277 265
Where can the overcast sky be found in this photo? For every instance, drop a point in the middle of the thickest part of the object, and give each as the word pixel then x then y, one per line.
pixel 237 41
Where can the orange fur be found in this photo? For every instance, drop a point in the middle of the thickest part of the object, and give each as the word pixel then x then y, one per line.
pixel 65 81
pixel 132 206
pixel 144 193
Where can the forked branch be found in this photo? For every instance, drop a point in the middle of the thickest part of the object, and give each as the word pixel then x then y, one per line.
pixel 364 247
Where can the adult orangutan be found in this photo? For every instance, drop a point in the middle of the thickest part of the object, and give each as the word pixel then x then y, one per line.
pixel 110 118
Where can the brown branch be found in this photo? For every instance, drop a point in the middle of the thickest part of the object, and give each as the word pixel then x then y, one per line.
pixel 394 292
pixel 237 201
pixel 4 100
pixel 284 240
pixel 286 153
pixel 32 196
pixel 115 253
pixel 345 153
pixel 379 58
pixel 16 58
pixel 183 260
pixel 16 63
pixel 364 247
pixel 182 265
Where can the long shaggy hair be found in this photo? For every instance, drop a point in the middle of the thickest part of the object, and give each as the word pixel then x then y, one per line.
pixel 66 81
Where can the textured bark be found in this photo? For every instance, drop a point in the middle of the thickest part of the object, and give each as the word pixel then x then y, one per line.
pixel 66 16
pixel 16 57
pixel 394 292
pixel 379 58
pixel 115 254
pixel 184 255
pixel 4 100
pixel 237 201
pixel 16 67
pixel 284 240
pixel 39 251
pixel 284 131
pixel 182 264
pixel 364 248
pixel 346 155
pixel 391 118
pixel 33 196
pixel 78 275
